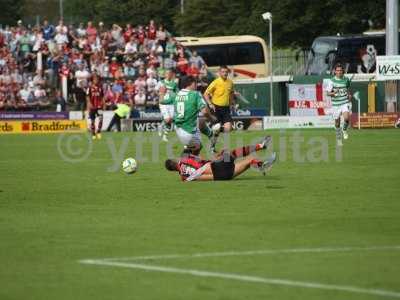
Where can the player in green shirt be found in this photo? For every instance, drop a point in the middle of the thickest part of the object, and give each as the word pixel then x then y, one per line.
pixel 188 102
pixel 338 90
pixel 166 108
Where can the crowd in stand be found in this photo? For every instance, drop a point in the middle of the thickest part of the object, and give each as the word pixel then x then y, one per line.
pixel 130 62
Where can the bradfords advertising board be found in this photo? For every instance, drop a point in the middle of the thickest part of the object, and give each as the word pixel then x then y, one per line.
pixel 28 127
pixel 308 100
pixel 388 67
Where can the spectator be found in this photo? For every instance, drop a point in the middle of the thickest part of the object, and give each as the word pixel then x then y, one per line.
pixel 197 60
pixel 48 31
pixel 140 99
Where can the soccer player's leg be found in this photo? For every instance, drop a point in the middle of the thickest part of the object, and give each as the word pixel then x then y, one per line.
pixel 247 150
pixel 166 125
pixel 346 109
pixel 92 117
pixel 100 124
pixel 262 166
pixel 191 141
pixel 336 116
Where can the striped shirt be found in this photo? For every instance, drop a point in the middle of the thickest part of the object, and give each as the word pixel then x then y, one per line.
pixel 340 86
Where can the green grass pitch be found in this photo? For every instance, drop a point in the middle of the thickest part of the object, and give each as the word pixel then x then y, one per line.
pixel 54 213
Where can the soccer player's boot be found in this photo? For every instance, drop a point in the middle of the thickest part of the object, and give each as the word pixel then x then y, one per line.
pixel 164 137
pixel 93 137
pixel 345 135
pixel 160 130
pixel 267 165
pixel 98 136
pixel 266 142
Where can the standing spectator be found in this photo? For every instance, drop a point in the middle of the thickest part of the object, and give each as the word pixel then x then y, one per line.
pixel 192 70
pixel 60 101
pixel 48 31
pixel 82 76
pixel 182 64
pixel 81 31
pixel 170 47
pixel 91 33
pixel 61 28
pixel 162 36
pixel 170 62
pixel 197 60
pixel 79 97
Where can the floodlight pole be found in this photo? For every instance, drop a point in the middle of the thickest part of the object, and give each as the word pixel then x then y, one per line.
pixel 268 16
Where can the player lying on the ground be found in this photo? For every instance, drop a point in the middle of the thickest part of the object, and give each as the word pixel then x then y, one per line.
pixel 224 167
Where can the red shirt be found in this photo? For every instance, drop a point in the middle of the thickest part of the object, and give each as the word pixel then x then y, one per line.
pixel 151 33
pixel 141 37
pixel 114 66
pixel 188 164
pixel 193 71
pixel 95 93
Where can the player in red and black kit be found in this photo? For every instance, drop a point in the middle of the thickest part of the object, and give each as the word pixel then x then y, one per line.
pixel 192 167
pixel 95 105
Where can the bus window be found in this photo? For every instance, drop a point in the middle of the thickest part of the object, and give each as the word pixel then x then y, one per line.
pixel 245 55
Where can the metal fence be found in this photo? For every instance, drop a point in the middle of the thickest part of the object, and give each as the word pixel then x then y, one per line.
pixel 289 61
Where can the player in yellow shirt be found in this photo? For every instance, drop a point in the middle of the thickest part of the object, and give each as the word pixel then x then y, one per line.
pixel 220 99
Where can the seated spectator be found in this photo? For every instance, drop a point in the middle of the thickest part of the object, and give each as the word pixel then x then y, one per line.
pixel 152 99
pixel 140 99
pixel 26 94
pixel 129 91
pixel 151 83
pixel 118 90
pixel 129 70
pixel 114 66
pixel 151 71
pixel 131 46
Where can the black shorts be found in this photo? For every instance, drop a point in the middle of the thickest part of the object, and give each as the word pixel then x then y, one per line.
pixel 223 114
pixel 223 168
pixel 93 113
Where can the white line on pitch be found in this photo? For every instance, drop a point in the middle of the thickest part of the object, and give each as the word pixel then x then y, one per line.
pixel 254 252
pixel 246 278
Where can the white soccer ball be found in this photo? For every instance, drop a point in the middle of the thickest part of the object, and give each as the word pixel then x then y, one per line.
pixel 129 165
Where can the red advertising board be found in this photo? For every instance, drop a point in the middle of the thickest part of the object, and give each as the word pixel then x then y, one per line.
pixel 375 120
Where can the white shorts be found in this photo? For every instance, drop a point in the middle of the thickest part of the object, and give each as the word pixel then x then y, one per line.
pixel 167 111
pixel 337 111
pixel 188 139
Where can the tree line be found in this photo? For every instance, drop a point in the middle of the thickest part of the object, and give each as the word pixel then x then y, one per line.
pixel 295 22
